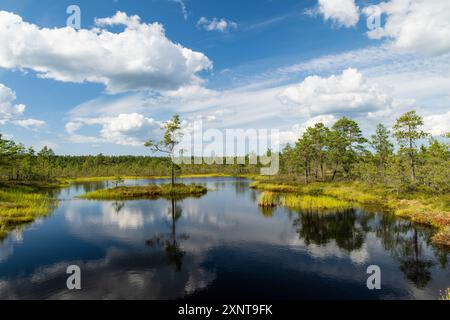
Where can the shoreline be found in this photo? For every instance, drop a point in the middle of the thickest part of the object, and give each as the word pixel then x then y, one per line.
pixel 421 208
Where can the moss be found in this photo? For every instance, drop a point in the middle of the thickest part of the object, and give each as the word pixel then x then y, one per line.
pixel 307 202
pixel 428 209
pixel 145 192
pixel 445 295
pixel 186 176
pixel 268 200
pixel 21 205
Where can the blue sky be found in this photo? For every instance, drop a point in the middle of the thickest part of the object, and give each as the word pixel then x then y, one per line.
pixel 251 64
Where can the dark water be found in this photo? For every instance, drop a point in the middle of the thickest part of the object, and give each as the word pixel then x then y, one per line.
pixel 219 246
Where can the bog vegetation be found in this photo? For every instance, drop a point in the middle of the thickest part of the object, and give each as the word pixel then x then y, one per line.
pixel 404 168
pixel 146 192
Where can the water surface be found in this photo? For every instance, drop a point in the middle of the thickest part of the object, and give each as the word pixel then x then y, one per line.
pixel 219 246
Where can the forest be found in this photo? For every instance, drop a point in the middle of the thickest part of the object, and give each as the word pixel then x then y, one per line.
pixel 405 170
pixel 420 162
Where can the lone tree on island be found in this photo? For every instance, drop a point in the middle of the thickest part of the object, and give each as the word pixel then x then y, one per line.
pixel 172 137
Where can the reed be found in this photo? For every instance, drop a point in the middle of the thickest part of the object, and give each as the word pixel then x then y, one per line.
pixel 145 192
pixel 305 202
pixel 21 205
pixel 268 200
pixel 445 295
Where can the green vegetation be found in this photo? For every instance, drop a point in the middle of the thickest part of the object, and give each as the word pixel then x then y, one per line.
pixel 21 205
pixel 413 182
pixel 172 137
pixel 182 176
pixel 337 161
pixel 268 200
pixel 445 295
pixel 145 192
pixel 307 202
pixel 423 208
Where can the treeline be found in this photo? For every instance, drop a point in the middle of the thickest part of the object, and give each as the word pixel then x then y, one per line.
pixel 343 153
pixel 18 163
pixel 340 152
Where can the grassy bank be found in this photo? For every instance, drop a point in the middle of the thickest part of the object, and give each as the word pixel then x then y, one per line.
pixel 428 209
pixel 308 202
pixel 21 205
pixel 145 192
pixel 270 199
pixel 186 176
pixel 445 295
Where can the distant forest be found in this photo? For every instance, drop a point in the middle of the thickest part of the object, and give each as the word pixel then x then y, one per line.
pixel 338 153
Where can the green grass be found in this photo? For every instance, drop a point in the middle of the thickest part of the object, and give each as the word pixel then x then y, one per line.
pixel 423 208
pixel 145 192
pixel 445 295
pixel 261 185
pixel 185 176
pixel 268 200
pixel 308 202
pixel 21 205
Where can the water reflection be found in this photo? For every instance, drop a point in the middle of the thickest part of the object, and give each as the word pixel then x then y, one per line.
pixel 404 240
pixel 170 241
pixel 218 246
pixel 320 228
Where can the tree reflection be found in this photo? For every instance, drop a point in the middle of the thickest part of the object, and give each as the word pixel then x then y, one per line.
pixel 170 241
pixel 405 240
pixel 118 206
pixel 320 228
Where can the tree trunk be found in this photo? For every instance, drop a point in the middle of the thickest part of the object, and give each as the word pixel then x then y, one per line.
pixel 411 161
pixel 173 172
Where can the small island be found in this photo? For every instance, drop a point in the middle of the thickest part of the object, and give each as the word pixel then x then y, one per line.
pixel 146 192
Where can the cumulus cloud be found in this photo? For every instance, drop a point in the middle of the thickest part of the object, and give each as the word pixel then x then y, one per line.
pixel 438 124
pixel 140 57
pixel 216 24
pixel 12 113
pixel 343 93
pixel 418 25
pixel 294 133
pixel 9 110
pixel 125 129
pixel 343 13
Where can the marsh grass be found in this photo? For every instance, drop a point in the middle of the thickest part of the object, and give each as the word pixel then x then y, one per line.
pixel 268 200
pixel 21 205
pixel 445 295
pixel 145 192
pixel 185 176
pixel 261 185
pixel 420 207
pixel 308 202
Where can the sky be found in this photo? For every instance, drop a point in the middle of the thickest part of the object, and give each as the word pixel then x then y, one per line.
pixel 262 64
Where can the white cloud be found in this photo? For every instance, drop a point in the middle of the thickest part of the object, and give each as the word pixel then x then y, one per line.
pixel 344 13
pixel 125 129
pixel 418 25
pixel 9 110
pixel 32 124
pixel 183 7
pixel 388 83
pixel 437 124
pixel 140 57
pixel 12 113
pixel 292 135
pixel 343 93
pixel 216 24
